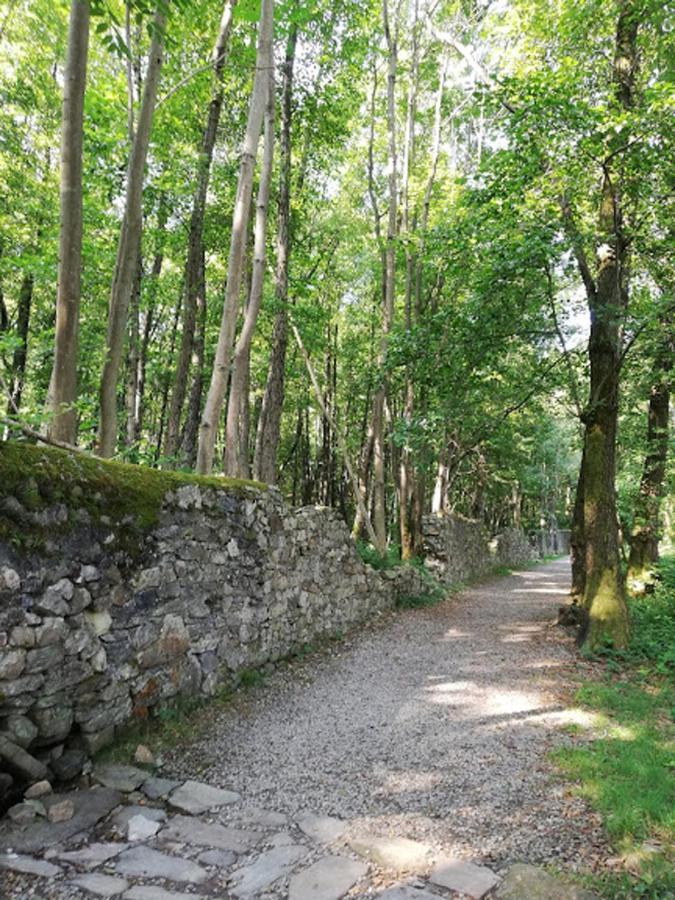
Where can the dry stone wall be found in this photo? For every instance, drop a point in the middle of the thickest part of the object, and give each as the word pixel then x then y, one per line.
pixel 104 616
pixel 93 636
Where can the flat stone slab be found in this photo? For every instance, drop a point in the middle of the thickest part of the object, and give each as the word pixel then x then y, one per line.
pixel 218 837
pixel 16 862
pixel 195 797
pixel 536 884
pixel 268 868
pixel 221 858
pixel 464 877
pixel 118 777
pixel 150 892
pixel 265 817
pixel 407 892
pixel 328 879
pixel 399 854
pixel 144 862
pixel 101 885
pixel 93 855
pixel 90 807
pixel 157 788
pixel 322 829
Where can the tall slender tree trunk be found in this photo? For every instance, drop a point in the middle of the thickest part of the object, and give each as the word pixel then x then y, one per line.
pixel 134 359
pixel 130 242
pixel 20 355
pixel 193 262
pixel 646 531
pixel 604 594
pixel 62 393
pixel 269 422
pixel 221 365
pixel 379 467
pixel 236 433
pixel 406 480
pixel 191 427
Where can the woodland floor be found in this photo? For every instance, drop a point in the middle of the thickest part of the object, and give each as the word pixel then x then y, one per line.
pixel 433 726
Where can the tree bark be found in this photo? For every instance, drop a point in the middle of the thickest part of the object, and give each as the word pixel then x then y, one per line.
pixel 379 468
pixel 216 394
pixel 269 424
pixel 646 531
pixel 130 243
pixel 604 594
pixel 236 445
pixel 20 355
pixel 62 393
pixel 193 262
pixel 191 427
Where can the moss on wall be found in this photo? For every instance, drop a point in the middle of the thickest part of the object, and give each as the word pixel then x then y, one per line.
pixel 40 477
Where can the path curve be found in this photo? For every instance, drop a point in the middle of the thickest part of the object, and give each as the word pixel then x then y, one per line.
pixel 434 727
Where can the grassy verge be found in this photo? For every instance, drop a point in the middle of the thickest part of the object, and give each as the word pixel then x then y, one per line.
pixel 627 771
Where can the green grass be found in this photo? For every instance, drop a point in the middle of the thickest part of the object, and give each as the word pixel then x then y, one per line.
pixel 628 771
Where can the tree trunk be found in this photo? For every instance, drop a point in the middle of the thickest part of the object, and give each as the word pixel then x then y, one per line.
pixel 577 543
pixel 644 540
pixel 236 446
pixel 130 242
pixel 20 354
pixel 221 364
pixel 269 423
pixel 195 240
pixel 191 427
pixel 134 360
pixel 62 393
pixel 379 468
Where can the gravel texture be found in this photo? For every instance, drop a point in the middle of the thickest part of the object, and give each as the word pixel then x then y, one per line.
pixel 434 726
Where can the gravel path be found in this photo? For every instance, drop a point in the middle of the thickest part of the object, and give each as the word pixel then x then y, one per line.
pixel 434 726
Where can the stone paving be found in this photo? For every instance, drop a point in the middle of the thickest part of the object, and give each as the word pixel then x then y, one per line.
pixel 138 837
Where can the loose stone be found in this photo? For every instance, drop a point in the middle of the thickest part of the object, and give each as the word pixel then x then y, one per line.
pixel 61 811
pixel 140 828
pixel 536 884
pixel 120 778
pixel 38 790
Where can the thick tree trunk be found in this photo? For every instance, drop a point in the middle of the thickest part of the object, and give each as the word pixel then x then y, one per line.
pixel 604 598
pixel 195 239
pixel 269 422
pixel 216 394
pixel 63 383
pixel 646 531
pixel 236 434
pixel 130 242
